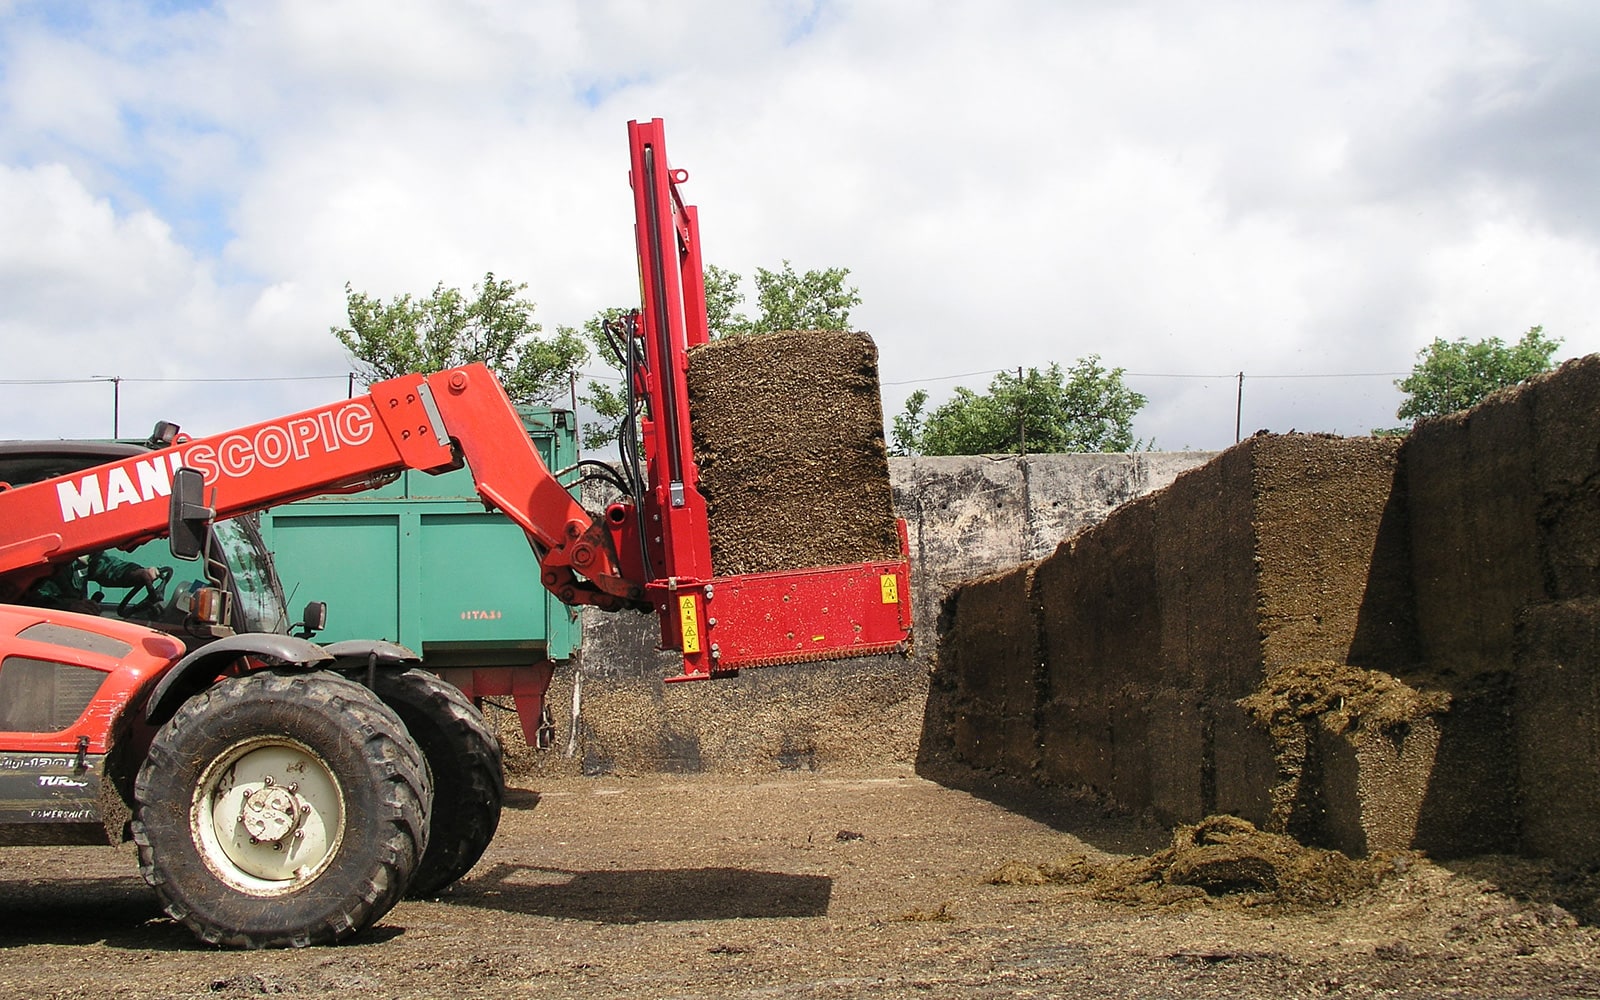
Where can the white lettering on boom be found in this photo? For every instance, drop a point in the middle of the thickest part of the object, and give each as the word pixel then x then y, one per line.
pixel 154 479
pixel 235 456
pixel 80 499
pixel 119 488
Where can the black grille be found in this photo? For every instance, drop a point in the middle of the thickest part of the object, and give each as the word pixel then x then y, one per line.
pixel 37 696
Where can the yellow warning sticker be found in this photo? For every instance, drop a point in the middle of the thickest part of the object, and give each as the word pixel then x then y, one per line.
pixel 891 588
pixel 689 623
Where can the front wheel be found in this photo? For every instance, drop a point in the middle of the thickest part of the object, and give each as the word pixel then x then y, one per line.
pixel 281 809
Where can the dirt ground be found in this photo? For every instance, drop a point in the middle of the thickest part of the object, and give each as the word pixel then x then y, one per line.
pixel 815 885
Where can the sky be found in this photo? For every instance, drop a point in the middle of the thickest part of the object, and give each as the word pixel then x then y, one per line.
pixel 1307 193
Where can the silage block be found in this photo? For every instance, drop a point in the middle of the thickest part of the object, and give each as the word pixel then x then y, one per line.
pixel 1558 730
pixel 989 646
pixel 788 434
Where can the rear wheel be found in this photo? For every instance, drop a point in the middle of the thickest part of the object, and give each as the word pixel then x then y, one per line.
pixel 281 809
pixel 469 783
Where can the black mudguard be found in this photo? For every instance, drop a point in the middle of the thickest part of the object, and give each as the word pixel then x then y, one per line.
pixel 195 672
pixel 363 650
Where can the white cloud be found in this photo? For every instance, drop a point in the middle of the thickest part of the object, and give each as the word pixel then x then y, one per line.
pixel 1181 188
pixel 87 281
pixel 92 292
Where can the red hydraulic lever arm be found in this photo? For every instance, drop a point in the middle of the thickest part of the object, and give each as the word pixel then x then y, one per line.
pixel 575 551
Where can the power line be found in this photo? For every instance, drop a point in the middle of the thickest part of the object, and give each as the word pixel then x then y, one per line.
pixel 263 378
pixel 110 378
pixel 52 381
pixel 1191 375
pixel 945 378
pixel 1233 375
pixel 615 378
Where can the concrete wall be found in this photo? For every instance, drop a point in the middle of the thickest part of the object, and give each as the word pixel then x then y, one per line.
pixel 965 516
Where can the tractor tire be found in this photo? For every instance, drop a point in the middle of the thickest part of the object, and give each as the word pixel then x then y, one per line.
pixel 469 781
pixel 281 809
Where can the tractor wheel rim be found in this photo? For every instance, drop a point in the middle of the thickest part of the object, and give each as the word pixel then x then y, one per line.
pixel 268 815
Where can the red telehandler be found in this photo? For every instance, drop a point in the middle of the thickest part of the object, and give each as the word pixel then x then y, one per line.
pixel 283 793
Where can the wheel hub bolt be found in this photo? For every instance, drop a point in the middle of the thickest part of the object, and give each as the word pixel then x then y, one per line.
pixel 271 812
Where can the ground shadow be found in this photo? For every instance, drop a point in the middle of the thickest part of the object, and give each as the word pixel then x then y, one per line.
pixel 122 912
pixel 521 798
pixel 629 897
pixel 117 912
pixel 1082 815
pixel 1539 881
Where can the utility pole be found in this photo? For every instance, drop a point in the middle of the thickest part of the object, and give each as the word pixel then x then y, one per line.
pixel 572 387
pixel 1238 409
pixel 116 402
pixel 1022 416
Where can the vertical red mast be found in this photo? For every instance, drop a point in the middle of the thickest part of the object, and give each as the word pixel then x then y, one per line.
pixel 672 289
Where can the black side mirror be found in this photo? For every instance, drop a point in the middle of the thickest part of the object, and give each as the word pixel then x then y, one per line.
pixel 312 620
pixel 163 436
pixel 188 518
pixel 315 617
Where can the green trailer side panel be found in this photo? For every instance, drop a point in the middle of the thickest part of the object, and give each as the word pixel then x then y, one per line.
pixel 356 555
pixel 492 595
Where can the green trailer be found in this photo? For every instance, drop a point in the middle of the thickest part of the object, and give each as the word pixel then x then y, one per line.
pixel 419 561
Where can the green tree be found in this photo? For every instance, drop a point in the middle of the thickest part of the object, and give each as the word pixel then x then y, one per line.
pixel 1086 407
pixel 815 300
pixel 722 298
pixel 608 398
pixel 448 328
pixel 905 437
pixel 1453 375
